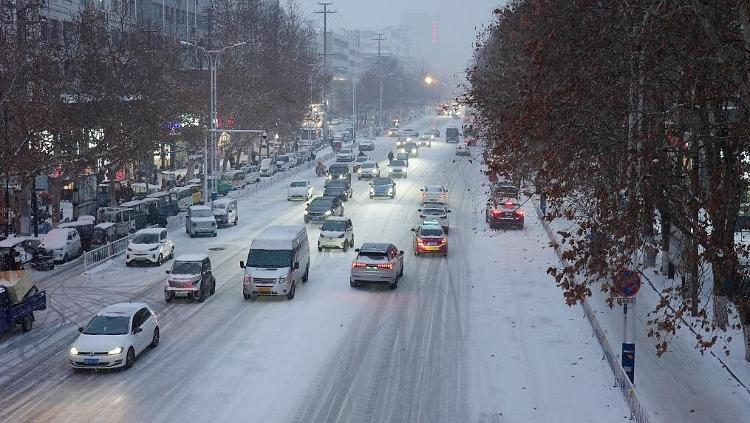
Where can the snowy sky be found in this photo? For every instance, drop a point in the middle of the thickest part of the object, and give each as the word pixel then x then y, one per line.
pixel 458 20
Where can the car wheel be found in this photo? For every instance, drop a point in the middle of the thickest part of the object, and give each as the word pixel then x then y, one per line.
pixel 27 323
pixel 320 248
pixel 168 297
pixel 65 258
pixel 192 235
pixel 306 276
pixel 213 287
pixel 353 284
pixel 155 338
pixel 129 358
pixel 290 295
pixel 394 285
pixel 159 260
pixel 235 220
pixel 199 296
pixel 215 234
pixel 401 272
pixel 128 264
pixel 171 253
pixel 345 247
pixel 247 296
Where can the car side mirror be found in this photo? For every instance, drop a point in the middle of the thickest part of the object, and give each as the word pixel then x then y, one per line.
pixel 356 250
pixel 80 329
pixel 421 190
pixel 137 330
pixel 413 229
pixel 167 271
pixel 242 264
pixel 419 210
pixel 401 253
pixel 449 211
pixel 296 265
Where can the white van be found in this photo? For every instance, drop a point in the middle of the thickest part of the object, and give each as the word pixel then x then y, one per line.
pixel 267 167
pixel 278 260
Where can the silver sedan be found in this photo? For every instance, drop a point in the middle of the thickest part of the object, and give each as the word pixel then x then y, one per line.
pixel 379 263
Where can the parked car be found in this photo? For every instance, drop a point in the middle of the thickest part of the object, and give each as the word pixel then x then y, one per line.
pixel 278 260
pixel 377 263
pixel 504 213
pixel 200 220
pixel 151 245
pixel 190 277
pixel 336 232
pixel 225 211
pixel 63 244
pixel 321 207
pixel 299 190
pixel 114 337
pixel 267 167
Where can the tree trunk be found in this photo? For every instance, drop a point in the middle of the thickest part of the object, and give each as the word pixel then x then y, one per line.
pixel 666 228
pixel 692 290
pixel 190 170
pixel 111 175
pixel 55 188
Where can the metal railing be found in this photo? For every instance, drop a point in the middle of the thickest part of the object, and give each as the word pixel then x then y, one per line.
pixel 113 249
pixel 637 411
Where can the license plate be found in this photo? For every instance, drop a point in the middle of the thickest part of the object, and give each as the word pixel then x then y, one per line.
pixel 264 289
pixel 181 294
pixel 432 248
pixel 90 361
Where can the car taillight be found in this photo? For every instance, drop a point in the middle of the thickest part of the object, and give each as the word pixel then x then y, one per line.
pixel 358 265
pixel 385 266
pixel 496 212
pixel 519 213
pixel 420 241
pixel 444 240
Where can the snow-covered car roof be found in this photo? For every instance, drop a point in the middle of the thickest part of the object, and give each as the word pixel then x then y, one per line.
pixel 191 257
pixel 200 207
pixel 156 231
pixel 224 200
pixel 122 308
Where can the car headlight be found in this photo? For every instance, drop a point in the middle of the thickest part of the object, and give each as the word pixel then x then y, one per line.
pixel 341 236
pixel 130 249
pixel 327 212
pixel 360 170
pixel 73 351
pixel 115 351
pixel 305 211
pixel 390 190
pixel 154 249
pixel 372 191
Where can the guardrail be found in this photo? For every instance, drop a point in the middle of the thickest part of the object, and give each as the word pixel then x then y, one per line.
pixel 113 249
pixel 637 411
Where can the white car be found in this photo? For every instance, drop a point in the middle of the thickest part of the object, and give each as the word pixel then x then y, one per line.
pixel 368 170
pixel 149 245
pixel 336 232
pixel 435 212
pixel 345 155
pixel 114 337
pixel 398 169
pixel 63 243
pixel 434 194
pixel 366 145
pixel 299 190
pixel 200 220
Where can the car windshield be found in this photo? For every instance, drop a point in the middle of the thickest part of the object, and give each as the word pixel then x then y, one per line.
pixel 201 213
pixel 398 163
pixel 269 258
pixel 219 206
pixel 186 267
pixel 298 184
pixel 433 189
pixel 433 212
pixel 334 225
pixel 338 183
pixel 431 232
pixel 381 181
pixel 145 238
pixel 368 165
pixel 107 325
pixel 321 203
pixel 362 159
pixel 345 151
pixel 402 156
pixel 338 169
pixel 374 255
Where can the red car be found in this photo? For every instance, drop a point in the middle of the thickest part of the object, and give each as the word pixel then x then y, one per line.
pixel 429 238
pixel 505 213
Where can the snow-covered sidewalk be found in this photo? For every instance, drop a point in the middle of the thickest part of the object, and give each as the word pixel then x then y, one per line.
pixel 682 385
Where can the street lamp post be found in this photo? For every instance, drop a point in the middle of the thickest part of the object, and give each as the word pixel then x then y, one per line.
pixel 213 61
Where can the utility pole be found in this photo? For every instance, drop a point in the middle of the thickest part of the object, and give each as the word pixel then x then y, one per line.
pixel 325 13
pixel 380 39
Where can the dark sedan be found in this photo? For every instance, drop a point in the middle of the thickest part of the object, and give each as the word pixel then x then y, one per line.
pixel 321 207
pixel 382 187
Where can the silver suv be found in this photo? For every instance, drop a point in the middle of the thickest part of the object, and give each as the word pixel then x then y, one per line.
pixel 377 263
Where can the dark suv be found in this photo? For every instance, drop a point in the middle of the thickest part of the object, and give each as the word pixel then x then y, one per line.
pixel 190 277
pixel 321 207
pixel 339 171
pixel 339 188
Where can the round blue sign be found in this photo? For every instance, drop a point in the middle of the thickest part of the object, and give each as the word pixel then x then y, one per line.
pixel 627 283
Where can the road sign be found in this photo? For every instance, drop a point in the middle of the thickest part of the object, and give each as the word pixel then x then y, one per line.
pixel 627 283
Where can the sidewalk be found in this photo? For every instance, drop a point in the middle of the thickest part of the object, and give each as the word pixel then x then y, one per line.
pixel 683 385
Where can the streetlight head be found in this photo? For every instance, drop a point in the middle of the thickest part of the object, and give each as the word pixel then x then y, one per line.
pixel 185 43
pixel 428 80
pixel 264 135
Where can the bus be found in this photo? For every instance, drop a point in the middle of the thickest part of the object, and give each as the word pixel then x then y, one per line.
pixel 309 136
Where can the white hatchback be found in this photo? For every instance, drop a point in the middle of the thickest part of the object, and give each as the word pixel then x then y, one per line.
pixel 149 245
pixel 299 190
pixel 434 194
pixel 114 337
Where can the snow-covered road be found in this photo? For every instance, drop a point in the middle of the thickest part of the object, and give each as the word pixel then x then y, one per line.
pixel 480 336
